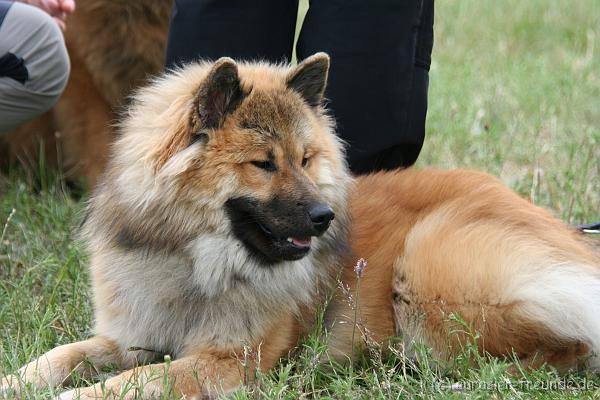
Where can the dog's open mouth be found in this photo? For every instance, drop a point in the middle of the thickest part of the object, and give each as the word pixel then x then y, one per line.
pixel 294 247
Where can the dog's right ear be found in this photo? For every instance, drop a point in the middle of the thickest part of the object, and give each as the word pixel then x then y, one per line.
pixel 219 95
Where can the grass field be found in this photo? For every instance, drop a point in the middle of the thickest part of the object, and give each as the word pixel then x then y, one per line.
pixel 514 90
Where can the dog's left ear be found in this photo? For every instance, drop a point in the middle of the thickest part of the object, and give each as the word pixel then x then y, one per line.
pixel 309 78
pixel 220 94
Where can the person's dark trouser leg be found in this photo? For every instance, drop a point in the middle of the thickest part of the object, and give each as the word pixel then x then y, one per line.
pixel 417 110
pixel 241 29
pixel 378 83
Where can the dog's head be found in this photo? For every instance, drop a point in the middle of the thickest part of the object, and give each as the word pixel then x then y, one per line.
pixel 236 147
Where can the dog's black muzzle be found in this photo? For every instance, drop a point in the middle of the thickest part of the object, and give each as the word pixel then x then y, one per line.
pixel 279 229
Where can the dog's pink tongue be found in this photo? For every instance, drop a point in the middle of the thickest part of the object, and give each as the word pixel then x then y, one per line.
pixel 301 242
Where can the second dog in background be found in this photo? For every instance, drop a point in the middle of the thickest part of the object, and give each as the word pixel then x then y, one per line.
pixel 114 46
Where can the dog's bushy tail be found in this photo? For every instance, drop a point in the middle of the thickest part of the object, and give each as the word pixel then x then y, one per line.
pixel 564 297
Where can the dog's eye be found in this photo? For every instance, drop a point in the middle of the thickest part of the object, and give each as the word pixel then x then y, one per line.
pixel 305 161
pixel 266 165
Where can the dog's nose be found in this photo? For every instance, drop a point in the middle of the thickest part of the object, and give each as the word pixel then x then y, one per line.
pixel 321 215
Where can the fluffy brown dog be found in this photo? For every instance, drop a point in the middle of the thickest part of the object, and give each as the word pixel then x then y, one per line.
pixel 213 231
pixel 114 46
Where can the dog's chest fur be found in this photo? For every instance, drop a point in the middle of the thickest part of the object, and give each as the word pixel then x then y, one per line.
pixel 215 295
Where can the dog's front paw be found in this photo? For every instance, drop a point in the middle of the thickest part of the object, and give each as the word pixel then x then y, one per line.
pixel 68 395
pixel 9 387
pixel 74 394
pixel 89 393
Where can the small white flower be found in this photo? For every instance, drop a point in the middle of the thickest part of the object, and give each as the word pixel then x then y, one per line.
pixel 360 266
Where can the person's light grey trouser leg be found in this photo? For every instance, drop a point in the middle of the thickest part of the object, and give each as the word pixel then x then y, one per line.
pixel 29 33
